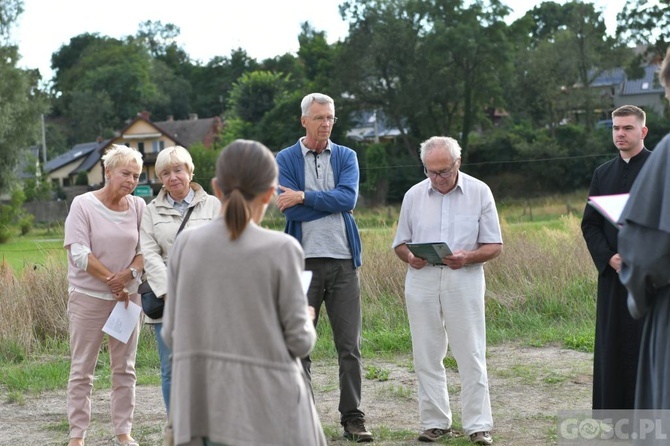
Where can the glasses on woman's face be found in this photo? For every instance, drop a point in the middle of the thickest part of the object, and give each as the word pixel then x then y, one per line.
pixel 444 174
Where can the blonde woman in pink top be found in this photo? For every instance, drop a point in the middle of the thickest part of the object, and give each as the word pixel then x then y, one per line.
pixel 104 267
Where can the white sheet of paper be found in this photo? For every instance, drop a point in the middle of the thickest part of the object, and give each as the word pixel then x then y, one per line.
pixel 122 321
pixel 306 279
pixel 610 206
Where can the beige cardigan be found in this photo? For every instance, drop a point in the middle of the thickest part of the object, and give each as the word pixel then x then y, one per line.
pixel 160 223
pixel 236 320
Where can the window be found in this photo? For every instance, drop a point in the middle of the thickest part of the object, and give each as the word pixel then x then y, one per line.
pixel 157 146
pixel 140 147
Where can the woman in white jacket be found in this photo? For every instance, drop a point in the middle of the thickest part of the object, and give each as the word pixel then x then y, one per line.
pixel 161 221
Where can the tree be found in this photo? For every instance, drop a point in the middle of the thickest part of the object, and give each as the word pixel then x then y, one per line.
pixel 281 126
pixel 291 68
pixel 539 89
pixel 120 72
pixel 254 94
pixel 376 183
pixel 647 23
pixel 91 112
pixel 10 10
pixel 170 69
pixel 211 84
pixel 594 52
pixel 454 58
pixel 174 93
pixel 158 38
pixel 378 62
pixel 261 108
pixel 204 160
pixel 21 103
pixel 565 48
pixel 64 62
pixel 317 59
pixel 13 213
pixel 470 48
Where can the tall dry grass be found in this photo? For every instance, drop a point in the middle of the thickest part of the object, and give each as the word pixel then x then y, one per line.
pixel 536 263
pixel 33 305
pixel 540 263
pixel 541 289
pixel 544 278
pixel 382 273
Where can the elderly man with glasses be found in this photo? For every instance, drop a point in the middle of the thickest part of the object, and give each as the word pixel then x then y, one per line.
pixel 445 302
pixel 318 180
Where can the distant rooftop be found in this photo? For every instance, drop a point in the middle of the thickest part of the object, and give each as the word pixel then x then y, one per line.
pixel 77 152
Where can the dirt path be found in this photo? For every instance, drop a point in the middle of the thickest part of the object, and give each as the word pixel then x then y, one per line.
pixel 528 387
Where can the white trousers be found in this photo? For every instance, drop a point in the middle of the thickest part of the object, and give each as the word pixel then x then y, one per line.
pixel 446 307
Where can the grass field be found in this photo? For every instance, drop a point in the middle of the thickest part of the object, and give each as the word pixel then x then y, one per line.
pixel 534 296
pixel 33 249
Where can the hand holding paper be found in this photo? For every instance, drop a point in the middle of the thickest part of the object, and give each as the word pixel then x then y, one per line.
pixel 122 321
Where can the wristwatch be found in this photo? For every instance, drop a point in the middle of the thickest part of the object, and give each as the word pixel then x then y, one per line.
pixel 302 197
pixel 133 271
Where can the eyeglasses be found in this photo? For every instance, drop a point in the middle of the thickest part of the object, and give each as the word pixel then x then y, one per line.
pixel 328 119
pixel 443 174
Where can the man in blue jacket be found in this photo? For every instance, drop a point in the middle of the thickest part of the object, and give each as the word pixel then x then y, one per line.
pixel 318 183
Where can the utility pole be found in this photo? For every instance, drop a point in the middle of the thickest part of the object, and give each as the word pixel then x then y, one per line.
pixel 44 142
pixel 376 127
pixel 373 120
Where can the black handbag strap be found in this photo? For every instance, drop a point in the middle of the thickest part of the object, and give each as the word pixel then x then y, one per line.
pixel 183 222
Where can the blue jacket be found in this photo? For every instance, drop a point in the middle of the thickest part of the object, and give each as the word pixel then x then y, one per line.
pixel 318 204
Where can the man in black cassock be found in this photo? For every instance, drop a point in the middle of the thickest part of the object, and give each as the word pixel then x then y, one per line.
pixel 617 337
pixel 645 251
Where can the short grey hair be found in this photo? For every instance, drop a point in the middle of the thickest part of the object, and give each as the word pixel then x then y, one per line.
pixel 120 155
pixel 319 98
pixel 174 156
pixel 440 142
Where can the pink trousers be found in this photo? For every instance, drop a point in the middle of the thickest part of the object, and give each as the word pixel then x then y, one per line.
pixel 87 316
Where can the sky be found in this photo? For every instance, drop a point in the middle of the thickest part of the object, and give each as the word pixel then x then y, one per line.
pixel 209 28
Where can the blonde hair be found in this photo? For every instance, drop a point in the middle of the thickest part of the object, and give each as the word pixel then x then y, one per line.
pixel 174 156
pixel 244 170
pixel 119 155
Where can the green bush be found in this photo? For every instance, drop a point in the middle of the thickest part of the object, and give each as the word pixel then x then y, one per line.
pixel 26 223
pixel 5 234
pixel 82 179
pixel 11 214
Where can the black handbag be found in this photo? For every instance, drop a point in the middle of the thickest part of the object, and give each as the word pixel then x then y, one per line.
pixel 153 305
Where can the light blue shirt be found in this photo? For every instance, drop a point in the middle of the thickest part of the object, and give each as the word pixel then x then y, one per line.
pixel 182 205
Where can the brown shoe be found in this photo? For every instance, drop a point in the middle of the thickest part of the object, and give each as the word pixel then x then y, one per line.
pixel 355 430
pixel 431 435
pixel 481 438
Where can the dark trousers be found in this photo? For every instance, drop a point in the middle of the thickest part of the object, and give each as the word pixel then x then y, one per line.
pixel 335 283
